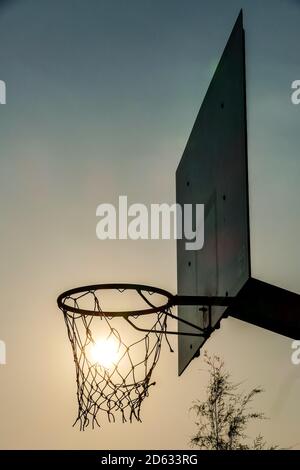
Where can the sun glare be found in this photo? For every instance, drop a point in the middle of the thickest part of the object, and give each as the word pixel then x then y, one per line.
pixel 105 352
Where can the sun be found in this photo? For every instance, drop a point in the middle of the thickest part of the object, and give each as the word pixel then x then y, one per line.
pixel 105 352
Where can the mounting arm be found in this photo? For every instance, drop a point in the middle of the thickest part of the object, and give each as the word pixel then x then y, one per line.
pixel 206 303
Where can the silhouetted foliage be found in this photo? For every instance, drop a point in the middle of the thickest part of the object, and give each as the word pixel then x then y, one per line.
pixel 223 417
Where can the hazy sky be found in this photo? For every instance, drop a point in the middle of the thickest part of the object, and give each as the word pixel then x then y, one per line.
pixel 101 97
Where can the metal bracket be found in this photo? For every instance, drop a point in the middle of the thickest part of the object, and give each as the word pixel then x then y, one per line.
pixel 206 301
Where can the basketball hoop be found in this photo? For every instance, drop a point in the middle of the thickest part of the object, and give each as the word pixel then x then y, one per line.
pixel 118 379
pixel 113 374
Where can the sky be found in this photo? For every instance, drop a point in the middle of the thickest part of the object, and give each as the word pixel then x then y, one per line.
pixel 101 98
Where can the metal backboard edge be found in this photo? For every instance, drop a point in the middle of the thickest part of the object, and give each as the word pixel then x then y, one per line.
pixel 213 171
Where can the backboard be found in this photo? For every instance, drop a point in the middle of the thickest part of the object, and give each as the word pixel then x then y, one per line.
pixel 213 172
